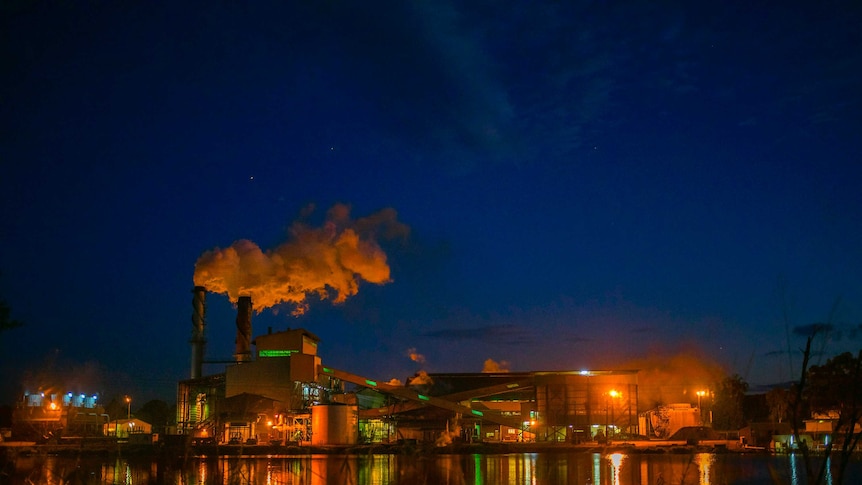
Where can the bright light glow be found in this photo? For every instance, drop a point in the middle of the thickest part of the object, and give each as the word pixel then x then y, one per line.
pixel 585 372
pixel 704 463
pixel 614 393
pixel 616 460
pixel 53 406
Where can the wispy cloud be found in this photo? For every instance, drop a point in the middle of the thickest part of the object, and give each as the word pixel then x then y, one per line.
pixel 501 334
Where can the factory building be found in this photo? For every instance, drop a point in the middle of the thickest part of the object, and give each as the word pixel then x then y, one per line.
pixel 272 396
pixel 282 393
pixel 46 415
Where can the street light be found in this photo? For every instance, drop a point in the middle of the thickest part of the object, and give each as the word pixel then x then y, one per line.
pixel 700 395
pixel 613 393
pixel 129 403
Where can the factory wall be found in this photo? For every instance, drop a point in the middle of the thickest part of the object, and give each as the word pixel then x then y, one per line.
pixel 277 378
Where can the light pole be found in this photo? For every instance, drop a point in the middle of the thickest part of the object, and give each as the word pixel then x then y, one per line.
pixel 607 433
pixel 613 393
pixel 129 403
pixel 700 395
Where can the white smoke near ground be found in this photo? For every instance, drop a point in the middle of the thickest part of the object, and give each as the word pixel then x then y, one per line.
pixel 449 435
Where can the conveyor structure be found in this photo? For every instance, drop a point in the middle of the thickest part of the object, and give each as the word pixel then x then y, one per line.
pixel 448 402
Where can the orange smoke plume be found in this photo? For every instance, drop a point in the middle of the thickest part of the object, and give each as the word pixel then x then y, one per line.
pixel 492 365
pixel 421 378
pixel 667 379
pixel 415 356
pixel 328 261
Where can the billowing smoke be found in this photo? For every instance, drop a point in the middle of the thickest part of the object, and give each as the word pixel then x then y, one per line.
pixel 421 378
pixel 492 365
pixel 674 379
pixel 328 262
pixel 449 434
pixel 58 376
pixel 415 356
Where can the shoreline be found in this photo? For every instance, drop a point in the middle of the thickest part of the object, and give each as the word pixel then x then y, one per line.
pixel 182 450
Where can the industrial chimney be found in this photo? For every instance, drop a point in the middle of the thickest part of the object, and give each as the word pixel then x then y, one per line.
pixel 198 341
pixel 243 329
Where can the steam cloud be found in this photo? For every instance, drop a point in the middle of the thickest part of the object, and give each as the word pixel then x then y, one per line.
pixel 421 378
pixel 328 261
pixel 415 356
pixel 672 379
pixel 492 365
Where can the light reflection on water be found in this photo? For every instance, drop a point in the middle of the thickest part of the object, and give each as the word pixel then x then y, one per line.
pixel 548 468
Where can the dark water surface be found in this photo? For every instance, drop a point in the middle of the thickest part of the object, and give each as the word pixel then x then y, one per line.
pixel 517 468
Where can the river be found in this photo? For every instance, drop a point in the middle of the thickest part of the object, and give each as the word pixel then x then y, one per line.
pixel 547 468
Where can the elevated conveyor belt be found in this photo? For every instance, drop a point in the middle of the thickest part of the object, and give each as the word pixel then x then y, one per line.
pixel 415 397
pixel 454 397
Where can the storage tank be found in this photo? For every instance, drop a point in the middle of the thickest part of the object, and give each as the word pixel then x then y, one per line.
pixel 334 424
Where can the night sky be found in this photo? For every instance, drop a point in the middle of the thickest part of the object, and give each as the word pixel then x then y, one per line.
pixel 553 185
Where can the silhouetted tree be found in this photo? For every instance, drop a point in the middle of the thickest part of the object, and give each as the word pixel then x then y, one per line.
pixel 727 409
pixel 779 401
pixel 158 413
pixel 6 321
pixel 118 408
pixel 836 388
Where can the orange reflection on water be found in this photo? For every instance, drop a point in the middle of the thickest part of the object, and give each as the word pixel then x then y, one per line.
pixel 704 463
pixel 616 460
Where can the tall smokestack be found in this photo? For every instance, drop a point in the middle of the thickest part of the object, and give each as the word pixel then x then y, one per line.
pixel 198 341
pixel 243 329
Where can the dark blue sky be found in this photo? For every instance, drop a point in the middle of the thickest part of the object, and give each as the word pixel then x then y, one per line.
pixel 585 183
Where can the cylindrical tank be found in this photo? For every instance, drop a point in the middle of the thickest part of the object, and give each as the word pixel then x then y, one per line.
pixel 334 424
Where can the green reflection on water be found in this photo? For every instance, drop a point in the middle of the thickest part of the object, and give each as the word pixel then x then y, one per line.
pixel 549 468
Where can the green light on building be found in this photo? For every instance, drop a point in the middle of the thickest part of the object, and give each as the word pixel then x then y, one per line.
pixel 477 412
pixel 370 383
pixel 423 397
pixel 276 353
